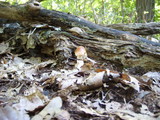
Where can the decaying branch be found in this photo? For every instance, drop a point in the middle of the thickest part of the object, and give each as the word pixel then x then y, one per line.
pixel 138 28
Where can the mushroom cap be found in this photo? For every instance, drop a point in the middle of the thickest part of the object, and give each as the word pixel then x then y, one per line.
pixel 80 52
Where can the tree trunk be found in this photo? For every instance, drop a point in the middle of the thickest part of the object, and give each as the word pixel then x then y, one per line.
pixel 145 10
pixel 122 10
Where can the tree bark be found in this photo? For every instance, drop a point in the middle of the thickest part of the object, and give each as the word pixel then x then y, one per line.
pixel 145 10
pixel 138 28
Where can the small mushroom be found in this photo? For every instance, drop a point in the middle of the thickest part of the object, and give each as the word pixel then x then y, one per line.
pixel 81 53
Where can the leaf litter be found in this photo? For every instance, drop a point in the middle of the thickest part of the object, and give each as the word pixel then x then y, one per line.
pixel 31 89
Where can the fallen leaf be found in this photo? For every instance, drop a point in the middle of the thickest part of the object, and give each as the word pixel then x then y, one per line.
pixel 93 81
pixel 4 47
pixel 131 81
pixel 130 115
pixel 10 113
pixel 52 109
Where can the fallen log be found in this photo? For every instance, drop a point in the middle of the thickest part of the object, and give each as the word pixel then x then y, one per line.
pixel 67 31
pixel 33 12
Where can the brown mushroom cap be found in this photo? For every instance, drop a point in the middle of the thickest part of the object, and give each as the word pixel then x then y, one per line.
pixel 80 52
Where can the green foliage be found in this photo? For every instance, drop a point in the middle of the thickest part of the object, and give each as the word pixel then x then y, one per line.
pixel 100 11
pixel 15 1
pixel 157 11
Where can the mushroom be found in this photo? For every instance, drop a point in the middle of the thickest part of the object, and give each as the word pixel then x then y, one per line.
pixel 81 53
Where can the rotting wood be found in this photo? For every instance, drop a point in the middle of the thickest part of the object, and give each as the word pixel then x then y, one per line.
pixel 138 28
pixel 33 12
